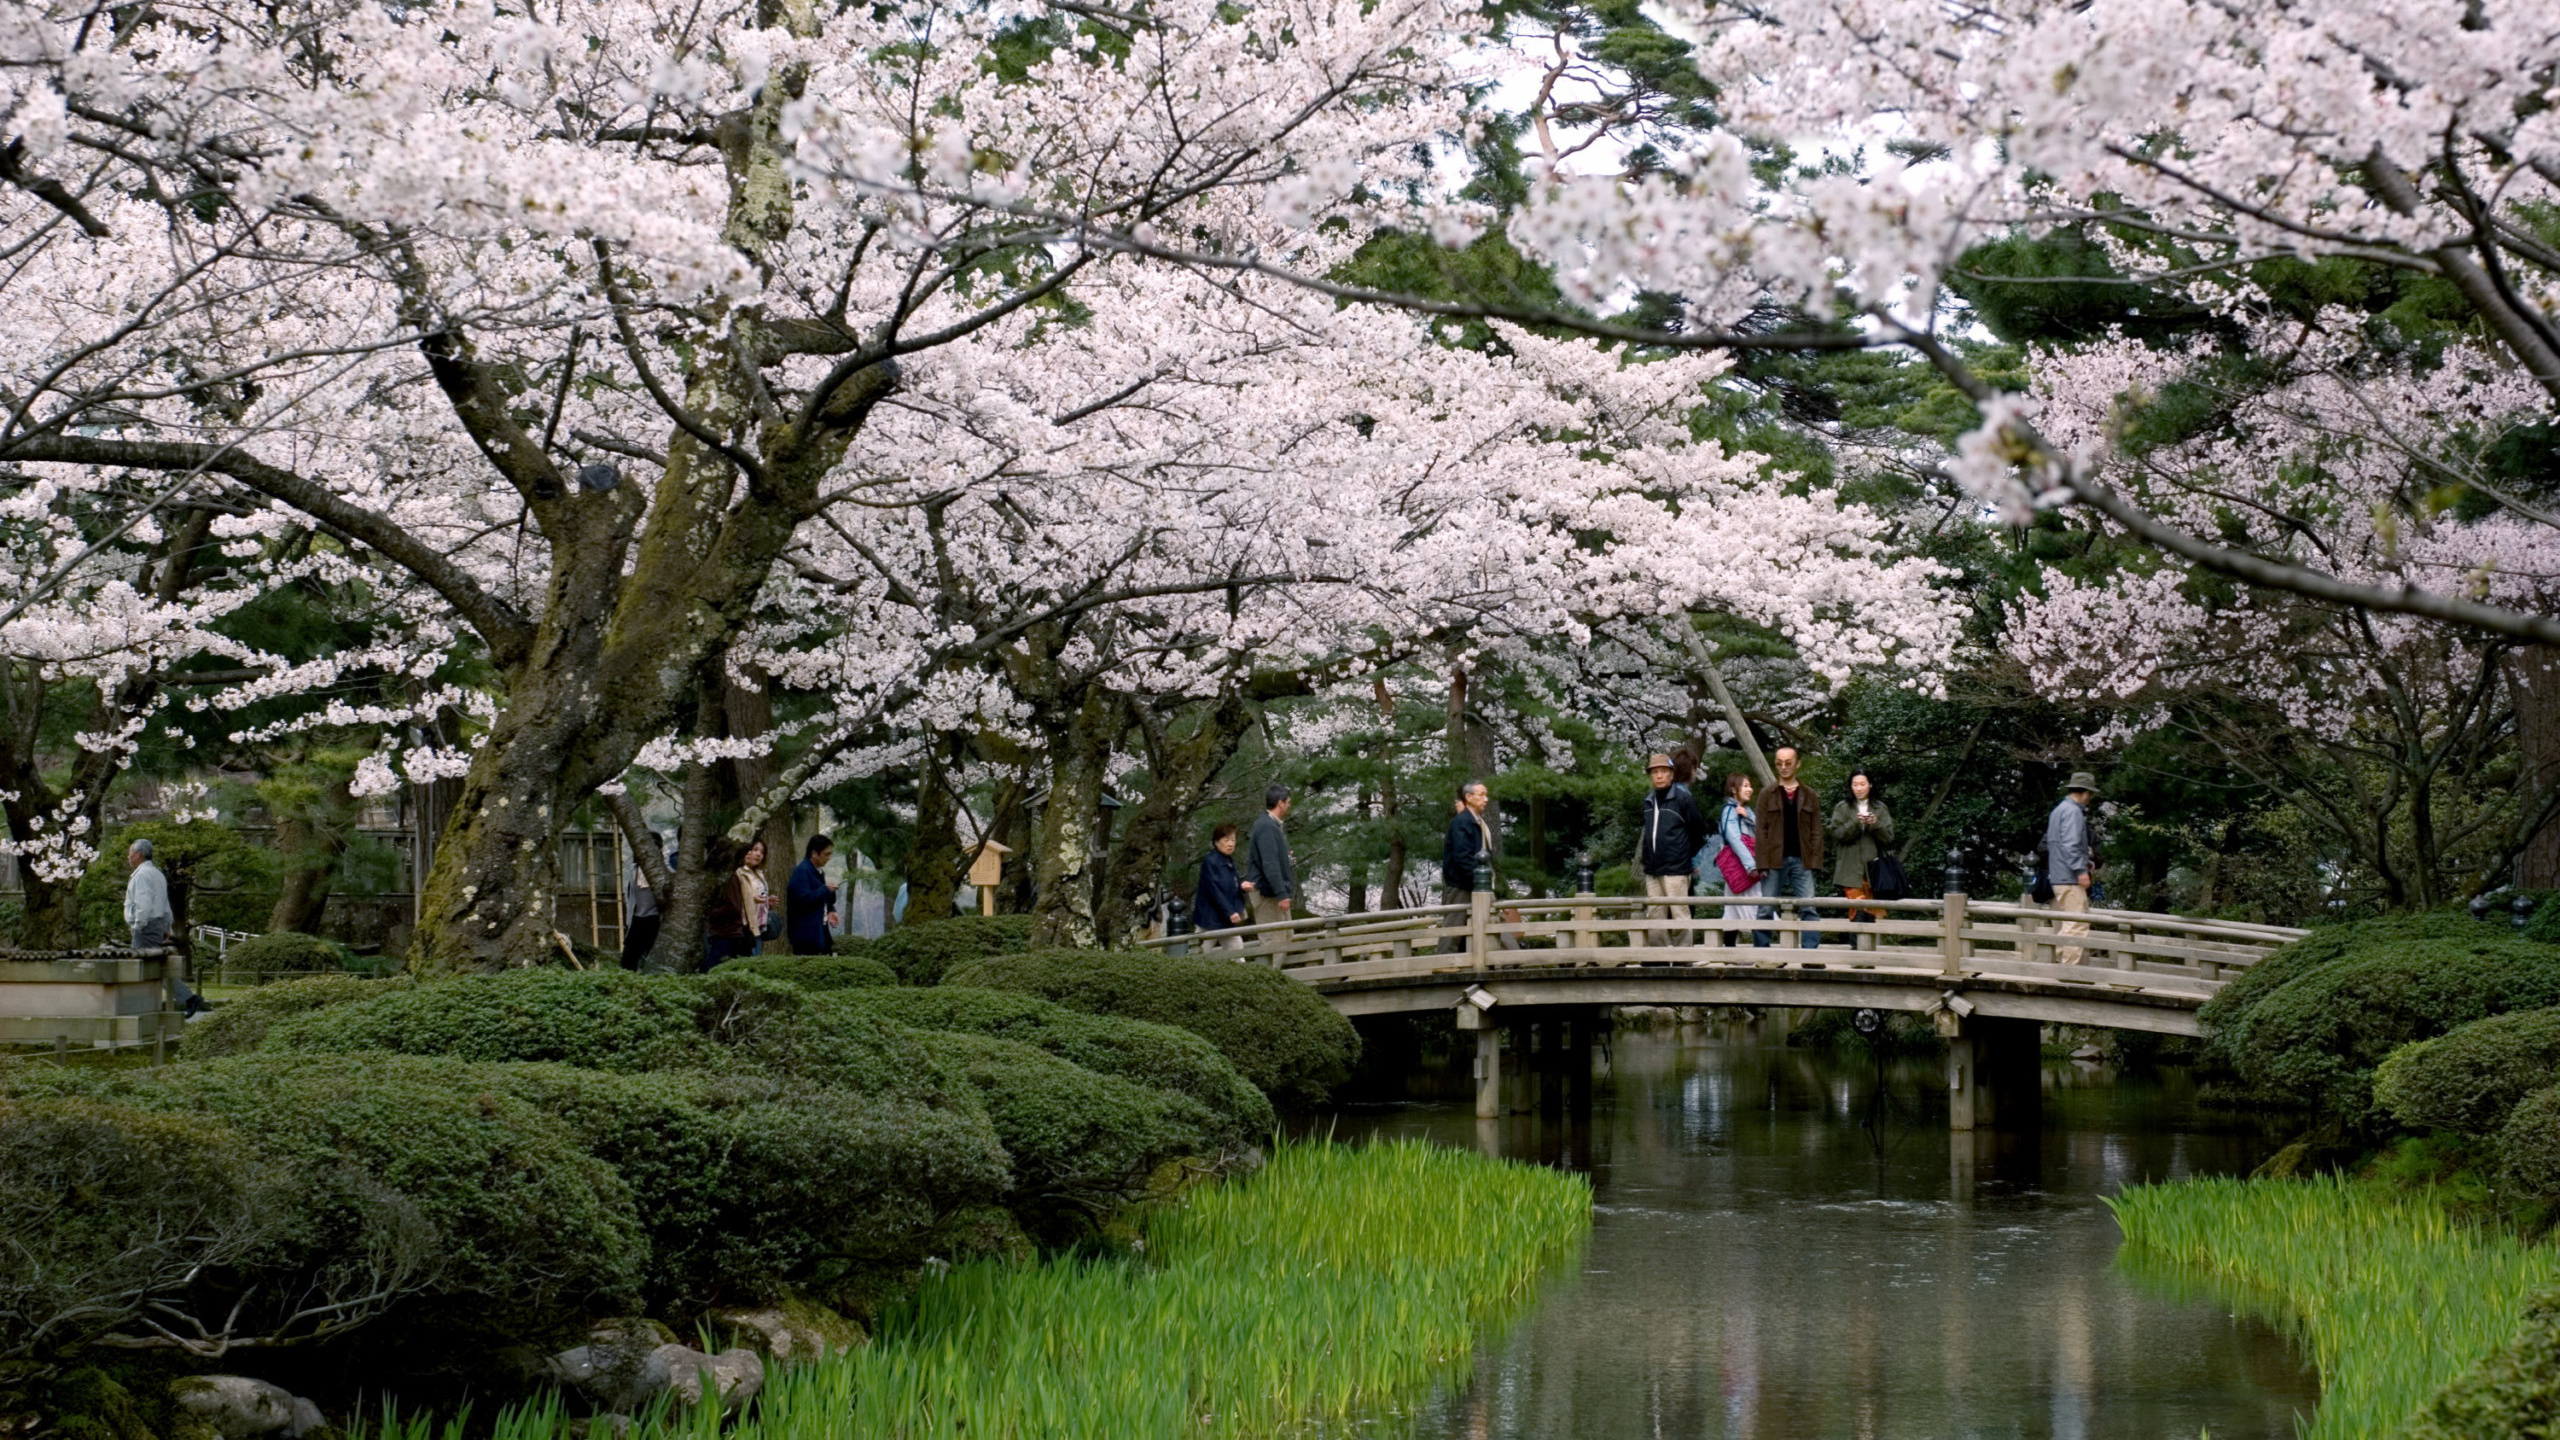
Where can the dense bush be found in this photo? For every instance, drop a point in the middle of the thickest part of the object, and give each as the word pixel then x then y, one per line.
pixel 1082 1144
pixel 746 1184
pixel 1281 1035
pixel 922 953
pixel 725 1022
pixel 817 972
pixel 2511 1394
pixel 239 1025
pixel 2316 1039
pixel 2529 1145
pixel 284 950
pixel 396 1181
pixel 2469 1078
pixel 1162 1057
pixel 2320 949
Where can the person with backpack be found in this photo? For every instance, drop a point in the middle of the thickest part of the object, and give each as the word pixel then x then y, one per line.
pixel 1861 834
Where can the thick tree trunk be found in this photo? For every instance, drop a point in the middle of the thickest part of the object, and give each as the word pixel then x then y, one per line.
pixel 932 867
pixel 750 714
pixel 684 905
pixel 2535 675
pixel 1070 826
pixel 1391 880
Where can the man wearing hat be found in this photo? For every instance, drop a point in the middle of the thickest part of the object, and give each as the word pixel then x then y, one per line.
pixel 1673 830
pixel 2070 859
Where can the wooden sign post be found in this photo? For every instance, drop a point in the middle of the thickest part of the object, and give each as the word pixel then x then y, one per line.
pixel 986 871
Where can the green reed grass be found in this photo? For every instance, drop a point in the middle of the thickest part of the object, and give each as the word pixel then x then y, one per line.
pixel 1335 1286
pixel 2393 1296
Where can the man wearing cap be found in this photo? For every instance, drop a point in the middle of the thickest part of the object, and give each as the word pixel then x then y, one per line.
pixel 1673 830
pixel 2070 861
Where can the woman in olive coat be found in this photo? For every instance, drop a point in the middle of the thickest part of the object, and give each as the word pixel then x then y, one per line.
pixel 1861 829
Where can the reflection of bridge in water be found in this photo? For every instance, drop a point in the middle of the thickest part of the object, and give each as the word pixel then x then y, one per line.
pixel 1986 972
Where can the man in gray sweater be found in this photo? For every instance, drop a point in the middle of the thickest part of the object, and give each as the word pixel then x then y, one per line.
pixel 2070 863
pixel 1270 880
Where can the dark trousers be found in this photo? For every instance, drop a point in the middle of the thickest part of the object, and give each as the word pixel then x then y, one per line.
pixel 638 940
pixel 729 947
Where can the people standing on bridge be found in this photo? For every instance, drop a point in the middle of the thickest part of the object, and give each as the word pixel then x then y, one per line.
pixel 1470 839
pixel 1861 830
pixel 1667 843
pixel 2071 861
pixel 1736 860
pixel 1217 902
pixel 809 902
pixel 1790 821
pixel 1270 877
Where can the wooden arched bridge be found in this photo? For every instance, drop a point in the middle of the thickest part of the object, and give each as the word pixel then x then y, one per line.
pixel 1989 973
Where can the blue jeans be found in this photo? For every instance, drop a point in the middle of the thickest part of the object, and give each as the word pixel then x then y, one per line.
pixel 1791 879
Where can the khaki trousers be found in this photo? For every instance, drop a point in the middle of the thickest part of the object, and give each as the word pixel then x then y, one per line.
pixel 1267 912
pixel 1667 885
pixel 2070 900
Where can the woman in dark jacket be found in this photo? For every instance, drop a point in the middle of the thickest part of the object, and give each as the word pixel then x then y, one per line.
pixel 1218 902
pixel 1861 829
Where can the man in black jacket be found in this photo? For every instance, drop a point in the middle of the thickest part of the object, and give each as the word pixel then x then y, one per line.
pixel 1674 829
pixel 1470 839
pixel 1270 876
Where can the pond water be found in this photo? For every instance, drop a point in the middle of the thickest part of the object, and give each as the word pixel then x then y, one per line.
pixel 1789 1244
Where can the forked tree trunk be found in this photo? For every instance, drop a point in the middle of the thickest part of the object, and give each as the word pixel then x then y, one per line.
pixel 1071 823
pixel 932 865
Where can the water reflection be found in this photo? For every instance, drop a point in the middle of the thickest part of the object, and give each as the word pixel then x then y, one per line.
pixel 1788 1246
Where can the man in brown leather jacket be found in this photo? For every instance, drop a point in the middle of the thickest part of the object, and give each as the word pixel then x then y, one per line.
pixel 1790 838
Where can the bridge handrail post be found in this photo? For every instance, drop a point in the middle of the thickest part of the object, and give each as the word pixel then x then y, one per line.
pixel 1951 944
pixel 1479 915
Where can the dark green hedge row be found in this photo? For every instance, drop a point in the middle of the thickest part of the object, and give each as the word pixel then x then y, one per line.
pixel 1162 1057
pixel 817 972
pixel 922 953
pixel 2314 1039
pixel 2513 1394
pixel 1282 1036
pixel 2470 1079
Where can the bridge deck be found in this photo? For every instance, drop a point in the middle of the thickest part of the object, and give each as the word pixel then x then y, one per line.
pixel 2141 971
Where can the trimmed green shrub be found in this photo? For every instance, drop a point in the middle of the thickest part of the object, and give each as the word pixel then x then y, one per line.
pixel 2320 949
pixel 2469 1078
pixel 2514 1392
pixel 922 953
pixel 401 1180
pixel 1279 1034
pixel 2316 1039
pixel 2529 1145
pixel 239 1025
pixel 288 951
pixel 1162 1057
pixel 1083 1145
pixel 751 1184
pixel 732 1023
pixel 848 944
pixel 817 972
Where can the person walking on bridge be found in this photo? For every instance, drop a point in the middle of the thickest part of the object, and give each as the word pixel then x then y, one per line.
pixel 1217 902
pixel 1270 876
pixel 1790 825
pixel 1470 839
pixel 2070 861
pixel 1673 833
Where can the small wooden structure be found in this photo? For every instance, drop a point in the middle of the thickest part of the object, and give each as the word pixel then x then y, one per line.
pixel 986 871
pixel 89 999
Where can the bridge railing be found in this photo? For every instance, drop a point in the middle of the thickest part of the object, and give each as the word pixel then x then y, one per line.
pixel 1952 935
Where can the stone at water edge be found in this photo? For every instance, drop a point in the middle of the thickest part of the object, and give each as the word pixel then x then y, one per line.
pixel 622 1366
pixel 237 1407
pixel 732 1377
pixel 792 1331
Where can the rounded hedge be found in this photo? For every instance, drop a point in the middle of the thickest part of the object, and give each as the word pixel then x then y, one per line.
pixel 2468 1079
pixel 2513 1393
pixel 288 951
pixel 817 972
pixel 924 952
pixel 748 1184
pixel 1083 1145
pixel 400 1175
pixel 2316 1039
pixel 733 1023
pixel 2318 950
pixel 240 1024
pixel 1280 1035
pixel 1162 1057
pixel 2529 1145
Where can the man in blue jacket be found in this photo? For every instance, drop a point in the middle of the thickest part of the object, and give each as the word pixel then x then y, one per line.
pixel 1470 839
pixel 2071 862
pixel 1673 829
pixel 1270 875
pixel 809 902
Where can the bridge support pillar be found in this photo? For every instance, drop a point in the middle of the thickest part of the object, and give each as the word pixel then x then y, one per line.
pixel 1995 1073
pixel 1964 1085
pixel 1489 1073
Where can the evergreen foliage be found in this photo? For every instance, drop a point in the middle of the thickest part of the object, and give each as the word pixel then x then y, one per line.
pixel 817 972
pixel 2470 1078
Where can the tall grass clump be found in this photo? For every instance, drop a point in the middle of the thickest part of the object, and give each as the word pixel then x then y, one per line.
pixel 2394 1297
pixel 1336 1285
